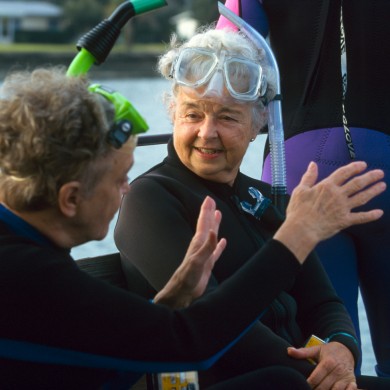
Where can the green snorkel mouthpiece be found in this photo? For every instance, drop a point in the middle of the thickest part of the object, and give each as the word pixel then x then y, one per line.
pixel 127 120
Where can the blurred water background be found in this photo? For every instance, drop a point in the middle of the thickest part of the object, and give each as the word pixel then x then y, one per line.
pixel 146 96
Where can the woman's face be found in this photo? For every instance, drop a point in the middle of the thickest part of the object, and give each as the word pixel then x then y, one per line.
pixel 211 135
pixel 98 208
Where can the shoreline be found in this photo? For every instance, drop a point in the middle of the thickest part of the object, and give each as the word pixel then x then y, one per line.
pixel 117 65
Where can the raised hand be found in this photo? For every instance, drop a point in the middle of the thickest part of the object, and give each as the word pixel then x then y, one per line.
pixel 317 211
pixel 190 279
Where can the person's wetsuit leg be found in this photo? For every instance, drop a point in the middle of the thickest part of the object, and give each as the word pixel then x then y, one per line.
pixel 349 257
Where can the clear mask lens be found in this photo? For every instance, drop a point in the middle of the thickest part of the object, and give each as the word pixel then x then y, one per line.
pixel 194 67
pixel 243 79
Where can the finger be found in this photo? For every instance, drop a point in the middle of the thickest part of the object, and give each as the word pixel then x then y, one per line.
pixel 364 196
pixel 320 379
pixel 346 172
pixel 309 178
pixel 364 217
pixel 358 183
pixel 217 221
pixel 219 249
pixel 206 216
pixel 210 247
pixel 328 376
pixel 210 251
pixel 304 353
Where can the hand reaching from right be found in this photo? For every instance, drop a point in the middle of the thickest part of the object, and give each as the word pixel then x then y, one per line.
pixel 317 211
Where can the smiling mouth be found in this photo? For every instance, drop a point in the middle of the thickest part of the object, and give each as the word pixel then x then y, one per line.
pixel 208 150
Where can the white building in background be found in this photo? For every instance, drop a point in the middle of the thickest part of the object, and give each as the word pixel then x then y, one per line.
pixel 26 16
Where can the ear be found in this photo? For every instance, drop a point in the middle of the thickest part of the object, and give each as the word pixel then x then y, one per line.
pixel 254 133
pixel 172 110
pixel 69 198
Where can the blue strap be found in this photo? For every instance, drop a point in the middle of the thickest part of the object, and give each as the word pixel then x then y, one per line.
pixel 21 227
pixel 38 353
pixel 328 339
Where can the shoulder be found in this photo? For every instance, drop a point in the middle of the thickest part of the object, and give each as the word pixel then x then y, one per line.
pixel 21 258
pixel 169 181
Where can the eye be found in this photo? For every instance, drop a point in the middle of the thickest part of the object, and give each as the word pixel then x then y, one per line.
pixel 228 118
pixel 191 116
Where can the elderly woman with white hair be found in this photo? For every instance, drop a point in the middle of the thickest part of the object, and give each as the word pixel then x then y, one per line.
pixel 221 85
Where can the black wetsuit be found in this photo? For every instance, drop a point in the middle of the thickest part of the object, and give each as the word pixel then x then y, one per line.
pixel 46 300
pixel 156 222
pixel 309 62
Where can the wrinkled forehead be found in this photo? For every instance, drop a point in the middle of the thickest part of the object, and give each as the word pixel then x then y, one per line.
pixel 195 97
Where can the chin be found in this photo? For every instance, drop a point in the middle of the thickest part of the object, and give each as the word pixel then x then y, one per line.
pixel 101 235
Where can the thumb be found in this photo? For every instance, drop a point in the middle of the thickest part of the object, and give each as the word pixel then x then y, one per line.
pixel 309 178
pixel 304 353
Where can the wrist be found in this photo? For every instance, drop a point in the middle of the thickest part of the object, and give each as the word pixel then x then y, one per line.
pixel 349 341
pixel 297 238
pixel 172 298
pixel 334 336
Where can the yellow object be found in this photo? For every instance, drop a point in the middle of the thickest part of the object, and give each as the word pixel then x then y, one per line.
pixel 313 341
pixel 178 381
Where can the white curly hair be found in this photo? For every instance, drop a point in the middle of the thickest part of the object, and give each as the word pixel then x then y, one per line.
pixel 234 43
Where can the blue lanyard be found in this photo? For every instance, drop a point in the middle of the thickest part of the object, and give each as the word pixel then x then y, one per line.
pixel 21 227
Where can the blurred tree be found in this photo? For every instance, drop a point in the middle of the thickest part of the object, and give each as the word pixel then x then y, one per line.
pixel 205 11
pixel 156 26
pixel 82 15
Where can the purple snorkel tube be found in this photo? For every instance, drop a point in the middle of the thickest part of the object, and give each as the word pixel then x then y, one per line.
pixel 275 122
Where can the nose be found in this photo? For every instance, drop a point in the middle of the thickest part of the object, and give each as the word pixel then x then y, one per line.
pixel 208 128
pixel 125 188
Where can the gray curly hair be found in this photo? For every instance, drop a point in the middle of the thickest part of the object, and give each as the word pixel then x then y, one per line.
pixel 235 43
pixel 52 130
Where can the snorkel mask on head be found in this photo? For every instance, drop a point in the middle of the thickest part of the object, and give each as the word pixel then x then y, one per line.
pixel 210 74
pixel 127 121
